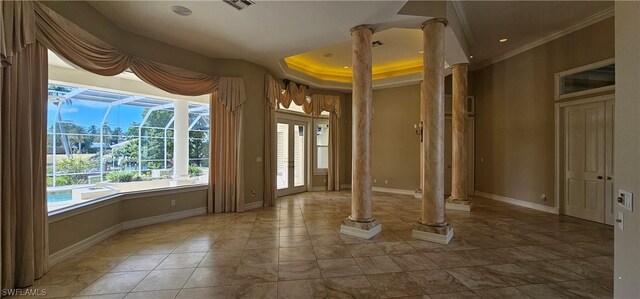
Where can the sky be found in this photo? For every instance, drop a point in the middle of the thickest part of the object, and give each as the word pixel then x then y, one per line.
pixel 87 113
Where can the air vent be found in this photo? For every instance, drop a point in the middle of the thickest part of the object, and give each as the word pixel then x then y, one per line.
pixel 240 4
pixel 376 43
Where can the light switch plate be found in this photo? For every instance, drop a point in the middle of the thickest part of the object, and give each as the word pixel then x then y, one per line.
pixel 627 199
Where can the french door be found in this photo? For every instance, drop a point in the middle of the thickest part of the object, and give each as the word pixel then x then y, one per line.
pixel 291 159
pixel 588 167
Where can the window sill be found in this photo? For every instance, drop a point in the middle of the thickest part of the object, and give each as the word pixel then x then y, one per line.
pixel 76 209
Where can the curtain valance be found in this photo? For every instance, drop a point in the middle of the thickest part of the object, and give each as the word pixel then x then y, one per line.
pixel 16 29
pixel 298 94
pixel 24 22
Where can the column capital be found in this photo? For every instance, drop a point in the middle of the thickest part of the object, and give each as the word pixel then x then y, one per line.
pixel 360 27
pixel 435 20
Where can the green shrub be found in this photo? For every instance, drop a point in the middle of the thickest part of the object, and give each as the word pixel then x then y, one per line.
pixel 121 176
pixel 194 170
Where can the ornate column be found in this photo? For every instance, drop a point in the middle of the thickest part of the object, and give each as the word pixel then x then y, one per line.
pixel 432 225
pixel 459 199
pixel 361 223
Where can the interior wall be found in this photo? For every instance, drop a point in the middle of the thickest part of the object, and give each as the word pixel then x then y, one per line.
pixel 395 147
pixel 90 221
pixel 627 143
pixel 515 123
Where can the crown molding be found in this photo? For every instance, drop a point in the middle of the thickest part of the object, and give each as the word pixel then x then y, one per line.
pixel 458 6
pixel 600 16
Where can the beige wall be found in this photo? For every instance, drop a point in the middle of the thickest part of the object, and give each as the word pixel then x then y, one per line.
pixel 515 113
pixel 89 221
pixel 394 144
pixel 627 142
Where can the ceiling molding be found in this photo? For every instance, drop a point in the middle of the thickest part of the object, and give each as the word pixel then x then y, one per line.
pixel 458 5
pixel 600 16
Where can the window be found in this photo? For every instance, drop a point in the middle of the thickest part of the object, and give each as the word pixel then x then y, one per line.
pixel 596 77
pixel 102 141
pixel 321 161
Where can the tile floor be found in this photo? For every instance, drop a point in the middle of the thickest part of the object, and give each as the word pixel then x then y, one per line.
pixel 294 250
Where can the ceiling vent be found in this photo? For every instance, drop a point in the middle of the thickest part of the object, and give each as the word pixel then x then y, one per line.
pixel 376 43
pixel 240 4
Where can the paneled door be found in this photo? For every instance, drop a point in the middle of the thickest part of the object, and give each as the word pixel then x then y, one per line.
pixel 588 172
pixel 291 157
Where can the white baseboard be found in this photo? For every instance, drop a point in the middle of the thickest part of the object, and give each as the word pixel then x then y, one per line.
pixel 163 218
pixel 253 205
pixel 518 202
pixel 73 249
pixel 69 251
pixel 318 189
pixel 394 191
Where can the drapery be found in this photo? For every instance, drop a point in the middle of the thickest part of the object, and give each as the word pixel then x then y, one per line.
pixel 23 110
pixel 296 93
pixel 226 107
pixel 331 104
pixel 272 92
pixel 23 217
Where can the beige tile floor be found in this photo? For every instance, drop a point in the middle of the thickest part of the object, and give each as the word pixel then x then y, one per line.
pixel 294 250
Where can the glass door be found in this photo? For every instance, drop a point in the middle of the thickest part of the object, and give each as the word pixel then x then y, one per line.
pixel 291 157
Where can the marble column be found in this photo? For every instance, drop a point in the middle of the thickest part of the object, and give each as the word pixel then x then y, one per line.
pixel 361 222
pixel 459 199
pixel 432 225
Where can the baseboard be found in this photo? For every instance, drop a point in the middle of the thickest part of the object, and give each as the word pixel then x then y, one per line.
pixel 69 251
pixel 73 249
pixel 318 189
pixel 345 186
pixel 518 202
pixel 394 191
pixel 253 205
pixel 163 218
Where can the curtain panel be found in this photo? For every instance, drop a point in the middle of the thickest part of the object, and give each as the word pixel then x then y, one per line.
pixel 228 155
pixel 23 208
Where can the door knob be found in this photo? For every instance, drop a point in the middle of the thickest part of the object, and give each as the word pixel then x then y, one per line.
pixel 609 178
pixel 600 177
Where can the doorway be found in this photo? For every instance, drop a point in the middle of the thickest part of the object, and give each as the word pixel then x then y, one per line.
pixel 586 153
pixel 291 157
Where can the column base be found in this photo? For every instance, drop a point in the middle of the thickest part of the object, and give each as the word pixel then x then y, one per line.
pixel 437 234
pixel 365 230
pixel 458 204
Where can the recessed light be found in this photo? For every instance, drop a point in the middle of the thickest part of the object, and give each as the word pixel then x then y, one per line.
pixel 181 10
pixel 345 67
pixel 502 40
pixel 471 57
pixel 420 51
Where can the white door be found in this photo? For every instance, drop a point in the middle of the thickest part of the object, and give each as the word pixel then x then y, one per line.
pixel 291 157
pixel 588 145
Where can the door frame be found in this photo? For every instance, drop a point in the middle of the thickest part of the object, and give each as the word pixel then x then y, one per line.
pixel 559 146
pixel 291 118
